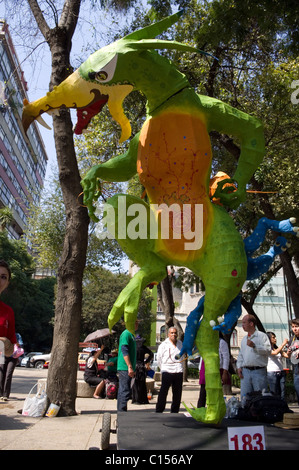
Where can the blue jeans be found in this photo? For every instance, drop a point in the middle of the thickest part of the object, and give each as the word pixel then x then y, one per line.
pixel 253 380
pixel 124 390
pixel 276 382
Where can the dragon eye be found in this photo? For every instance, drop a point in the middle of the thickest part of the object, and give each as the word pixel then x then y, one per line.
pixel 102 75
pixel 106 73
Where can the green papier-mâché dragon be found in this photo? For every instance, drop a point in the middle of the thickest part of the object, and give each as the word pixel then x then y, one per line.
pixel 172 156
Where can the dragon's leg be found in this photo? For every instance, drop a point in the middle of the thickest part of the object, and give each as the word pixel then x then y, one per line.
pixel 127 303
pixel 225 324
pixel 140 249
pixel 253 242
pixel 223 272
pixel 207 342
pixel 192 325
pixel 231 316
pixel 260 265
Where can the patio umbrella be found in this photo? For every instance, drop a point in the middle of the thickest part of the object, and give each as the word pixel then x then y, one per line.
pixel 98 334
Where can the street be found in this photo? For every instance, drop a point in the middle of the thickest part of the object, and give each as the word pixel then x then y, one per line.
pixel 23 380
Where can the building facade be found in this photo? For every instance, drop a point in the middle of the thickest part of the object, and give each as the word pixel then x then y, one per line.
pixel 23 158
pixel 270 307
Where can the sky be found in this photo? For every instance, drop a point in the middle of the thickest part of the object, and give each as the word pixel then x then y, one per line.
pixel 37 72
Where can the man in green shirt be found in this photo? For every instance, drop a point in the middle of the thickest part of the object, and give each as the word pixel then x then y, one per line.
pixel 126 364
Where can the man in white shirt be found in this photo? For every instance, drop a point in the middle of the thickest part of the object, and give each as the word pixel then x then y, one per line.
pixel 171 370
pixel 253 358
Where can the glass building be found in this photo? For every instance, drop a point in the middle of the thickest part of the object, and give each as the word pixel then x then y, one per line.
pixel 23 158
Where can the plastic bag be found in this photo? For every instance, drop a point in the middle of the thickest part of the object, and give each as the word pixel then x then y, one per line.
pixel 35 406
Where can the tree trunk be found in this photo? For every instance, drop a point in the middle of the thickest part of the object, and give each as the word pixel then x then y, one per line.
pixel 62 375
pixel 249 308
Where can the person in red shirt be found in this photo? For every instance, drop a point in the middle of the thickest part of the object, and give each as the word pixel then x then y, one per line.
pixel 7 330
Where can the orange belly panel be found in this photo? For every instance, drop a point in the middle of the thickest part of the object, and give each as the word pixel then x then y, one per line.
pixel 174 160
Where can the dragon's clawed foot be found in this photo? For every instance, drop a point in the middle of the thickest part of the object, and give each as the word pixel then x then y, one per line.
pixel 292 221
pixel 219 319
pixel 282 243
pixel 230 196
pixel 206 415
pixel 126 306
pixel 92 190
pixel 129 317
pixel 285 226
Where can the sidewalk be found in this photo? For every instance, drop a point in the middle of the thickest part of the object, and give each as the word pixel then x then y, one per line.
pixel 81 432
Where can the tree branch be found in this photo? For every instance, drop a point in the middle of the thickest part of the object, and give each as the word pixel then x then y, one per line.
pixel 39 18
pixel 263 284
pixel 69 16
pixel 212 72
pixel 54 10
pixel 227 143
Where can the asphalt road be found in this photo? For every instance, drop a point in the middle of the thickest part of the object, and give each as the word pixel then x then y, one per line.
pixel 24 378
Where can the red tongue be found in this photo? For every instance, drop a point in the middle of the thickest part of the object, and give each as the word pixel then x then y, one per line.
pixel 86 114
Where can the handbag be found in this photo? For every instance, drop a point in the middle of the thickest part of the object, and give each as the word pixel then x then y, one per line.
pixel 35 406
pixel 17 351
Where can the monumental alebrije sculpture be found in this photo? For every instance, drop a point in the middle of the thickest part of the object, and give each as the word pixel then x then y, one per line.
pixel 172 155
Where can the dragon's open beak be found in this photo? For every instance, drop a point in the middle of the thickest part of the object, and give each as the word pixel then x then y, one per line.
pixel 87 97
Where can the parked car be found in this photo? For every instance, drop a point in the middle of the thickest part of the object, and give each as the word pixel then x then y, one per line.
pixel 82 356
pixel 25 362
pixel 39 360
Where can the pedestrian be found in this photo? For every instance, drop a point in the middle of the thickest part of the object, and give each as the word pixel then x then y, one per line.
pixel 275 374
pixel 293 353
pixel 7 334
pixel 91 373
pixel 139 391
pixel 111 364
pixel 224 366
pixel 171 370
pixel 253 358
pixel 126 365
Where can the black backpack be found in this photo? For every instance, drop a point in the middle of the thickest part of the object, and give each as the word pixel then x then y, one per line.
pixel 265 408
